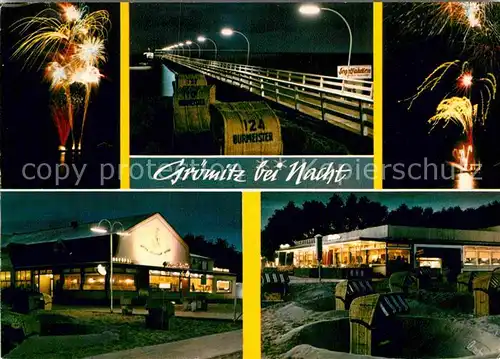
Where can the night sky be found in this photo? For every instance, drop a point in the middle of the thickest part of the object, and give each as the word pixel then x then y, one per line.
pixel 271 28
pixel 435 200
pixel 213 215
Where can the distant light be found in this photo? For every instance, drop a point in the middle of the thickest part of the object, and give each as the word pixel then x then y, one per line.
pixel 189 42
pixel 180 44
pixel 284 246
pixel 99 230
pixel 124 234
pixel 227 31
pixel 309 9
pixel 201 38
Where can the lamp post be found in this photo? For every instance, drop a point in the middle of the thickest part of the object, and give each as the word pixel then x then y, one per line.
pixel 181 45
pixel 100 229
pixel 203 39
pixel 229 32
pixel 311 9
pixel 199 48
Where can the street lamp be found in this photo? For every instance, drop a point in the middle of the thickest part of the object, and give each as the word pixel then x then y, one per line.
pixel 199 48
pixel 311 9
pixel 229 32
pixel 181 45
pixel 100 229
pixel 204 38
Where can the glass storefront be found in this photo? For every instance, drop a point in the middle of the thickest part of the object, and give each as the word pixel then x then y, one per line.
pixel 123 282
pixel 351 254
pixel 94 281
pixel 165 280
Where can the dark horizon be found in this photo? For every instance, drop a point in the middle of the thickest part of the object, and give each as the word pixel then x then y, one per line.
pixel 435 200
pixel 271 27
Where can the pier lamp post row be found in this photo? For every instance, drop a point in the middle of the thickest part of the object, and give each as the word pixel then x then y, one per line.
pixel 306 9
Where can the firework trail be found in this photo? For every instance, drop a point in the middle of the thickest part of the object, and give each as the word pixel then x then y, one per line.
pixel 62 124
pixel 69 43
pixel 465 84
pixel 458 110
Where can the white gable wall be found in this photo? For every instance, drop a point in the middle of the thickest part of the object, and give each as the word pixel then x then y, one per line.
pixel 153 242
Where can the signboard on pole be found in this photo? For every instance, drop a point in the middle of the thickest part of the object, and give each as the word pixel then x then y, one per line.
pixel 355 72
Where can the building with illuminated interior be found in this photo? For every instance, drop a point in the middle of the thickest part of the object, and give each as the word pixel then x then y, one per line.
pixel 73 263
pixel 388 248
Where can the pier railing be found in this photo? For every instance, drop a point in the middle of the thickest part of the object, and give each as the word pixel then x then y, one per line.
pixel 346 103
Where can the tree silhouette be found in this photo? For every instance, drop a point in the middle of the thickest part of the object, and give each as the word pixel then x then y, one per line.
pixel 225 255
pixel 293 223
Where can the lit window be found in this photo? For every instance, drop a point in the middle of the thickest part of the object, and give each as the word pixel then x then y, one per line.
pixel 483 256
pixel 94 281
pixel 159 279
pixel 223 286
pixel 123 282
pixel 197 286
pixel 72 282
pixel 23 279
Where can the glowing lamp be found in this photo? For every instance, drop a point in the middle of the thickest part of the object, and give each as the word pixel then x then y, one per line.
pixel 99 230
pixel 309 9
pixel 201 38
pixel 180 44
pixel 227 31
pixel 189 42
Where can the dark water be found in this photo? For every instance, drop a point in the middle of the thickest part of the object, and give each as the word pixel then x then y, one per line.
pixel 151 115
pixel 29 137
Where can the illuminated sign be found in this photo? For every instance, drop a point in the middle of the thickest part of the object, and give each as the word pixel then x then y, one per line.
pixel 355 72
pixel 122 260
pixel 224 270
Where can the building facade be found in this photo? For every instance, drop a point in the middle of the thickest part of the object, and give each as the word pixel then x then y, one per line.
pixel 388 248
pixel 73 263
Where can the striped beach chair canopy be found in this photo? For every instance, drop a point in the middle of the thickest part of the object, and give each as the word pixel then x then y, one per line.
pixel 275 278
pixel 363 287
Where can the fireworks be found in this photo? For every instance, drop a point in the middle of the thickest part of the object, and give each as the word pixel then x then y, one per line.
pixel 458 110
pixel 473 25
pixel 69 43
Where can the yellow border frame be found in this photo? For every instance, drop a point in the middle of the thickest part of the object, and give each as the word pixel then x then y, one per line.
pixel 124 96
pixel 251 275
pixel 378 52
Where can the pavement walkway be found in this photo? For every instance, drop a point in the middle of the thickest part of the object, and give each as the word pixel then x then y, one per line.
pixel 207 347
